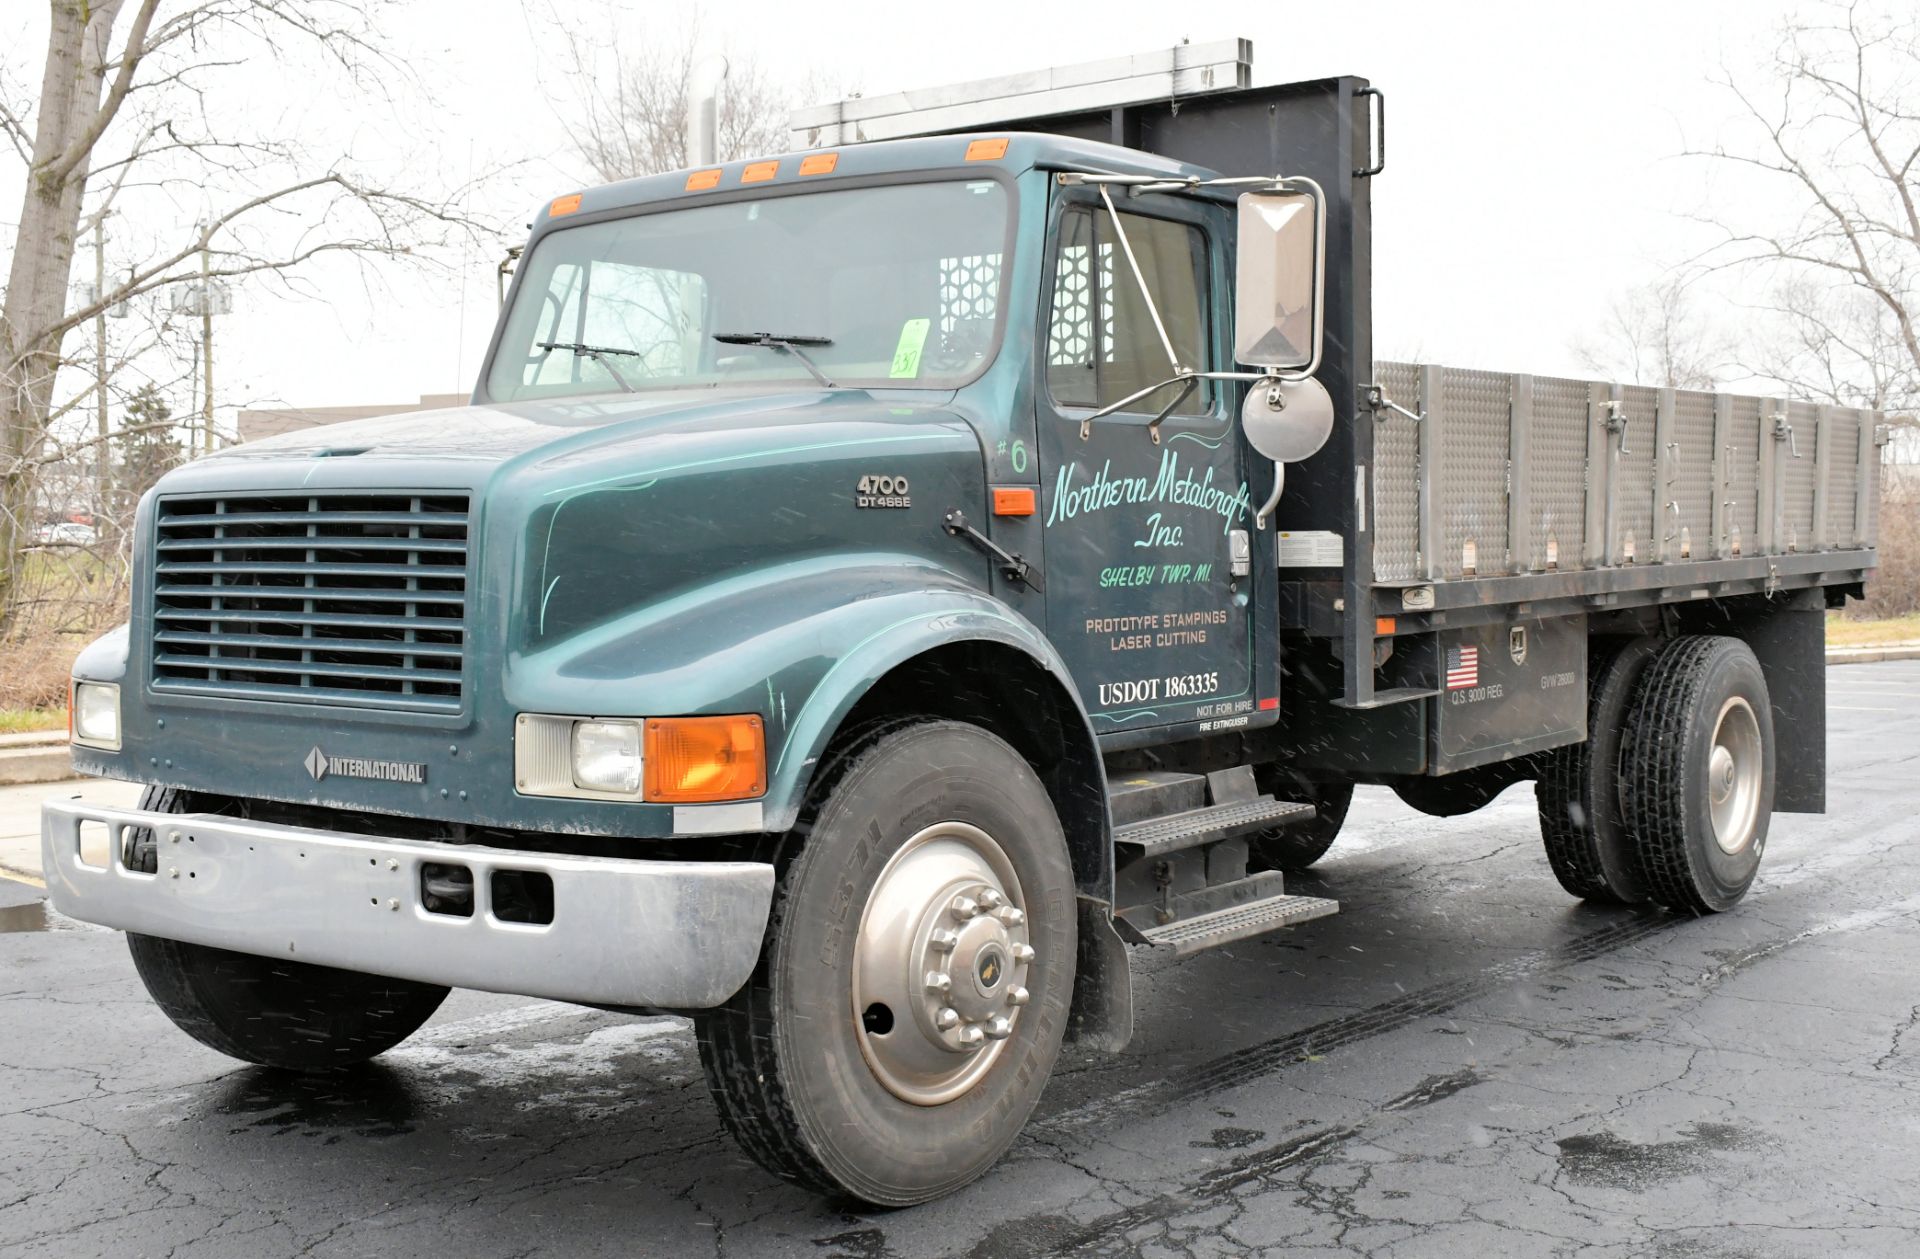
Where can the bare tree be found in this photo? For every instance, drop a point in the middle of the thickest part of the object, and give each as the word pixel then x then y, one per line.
pixel 1831 133
pixel 1656 334
pixel 123 108
pixel 632 103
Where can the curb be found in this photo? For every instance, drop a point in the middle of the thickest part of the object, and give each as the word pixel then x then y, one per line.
pixel 36 763
pixel 1873 655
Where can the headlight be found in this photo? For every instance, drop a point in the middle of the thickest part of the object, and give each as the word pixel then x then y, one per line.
pixel 606 756
pixel 96 715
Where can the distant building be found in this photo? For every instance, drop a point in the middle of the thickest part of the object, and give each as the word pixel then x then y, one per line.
pixel 271 423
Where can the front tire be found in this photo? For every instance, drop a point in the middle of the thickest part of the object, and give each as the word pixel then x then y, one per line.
pixel 1697 773
pixel 273 1012
pixel 914 986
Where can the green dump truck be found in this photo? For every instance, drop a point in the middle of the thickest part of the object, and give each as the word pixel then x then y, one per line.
pixel 876 587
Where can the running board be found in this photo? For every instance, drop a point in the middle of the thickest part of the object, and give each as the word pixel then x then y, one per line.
pixel 1156 837
pixel 1238 922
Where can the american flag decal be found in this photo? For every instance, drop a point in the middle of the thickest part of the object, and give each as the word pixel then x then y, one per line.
pixel 1463 667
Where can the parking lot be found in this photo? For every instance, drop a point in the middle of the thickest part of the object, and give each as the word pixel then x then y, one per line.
pixel 1463 1062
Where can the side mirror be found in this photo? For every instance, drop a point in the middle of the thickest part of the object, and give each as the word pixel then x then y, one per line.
pixel 1280 289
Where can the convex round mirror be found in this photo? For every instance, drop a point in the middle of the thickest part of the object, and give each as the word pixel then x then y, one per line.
pixel 1287 420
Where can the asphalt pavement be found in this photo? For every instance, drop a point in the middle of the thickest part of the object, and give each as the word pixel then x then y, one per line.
pixel 1464 1062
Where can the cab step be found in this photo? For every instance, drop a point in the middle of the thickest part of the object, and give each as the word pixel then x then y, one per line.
pixel 1157 836
pixel 1238 922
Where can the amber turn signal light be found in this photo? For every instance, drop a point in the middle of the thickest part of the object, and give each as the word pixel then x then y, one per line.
pixel 1012 500
pixel 690 760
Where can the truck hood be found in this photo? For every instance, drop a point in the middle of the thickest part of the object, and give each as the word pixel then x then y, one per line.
pixel 493 433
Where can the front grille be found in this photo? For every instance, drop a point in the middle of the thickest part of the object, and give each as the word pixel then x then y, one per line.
pixel 327 598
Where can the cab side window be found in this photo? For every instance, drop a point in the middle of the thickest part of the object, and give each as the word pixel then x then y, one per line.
pixel 1101 342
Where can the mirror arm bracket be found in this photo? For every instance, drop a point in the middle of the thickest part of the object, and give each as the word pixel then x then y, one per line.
pixel 1378 402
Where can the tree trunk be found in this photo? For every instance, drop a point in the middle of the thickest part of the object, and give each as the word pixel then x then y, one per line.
pixel 70 96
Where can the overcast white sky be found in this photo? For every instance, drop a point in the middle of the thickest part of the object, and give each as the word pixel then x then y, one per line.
pixel 1532 168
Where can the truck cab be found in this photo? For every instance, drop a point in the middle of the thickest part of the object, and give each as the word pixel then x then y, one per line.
pixel 874 587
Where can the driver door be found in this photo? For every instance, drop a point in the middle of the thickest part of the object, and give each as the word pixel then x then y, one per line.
pixel 1146 543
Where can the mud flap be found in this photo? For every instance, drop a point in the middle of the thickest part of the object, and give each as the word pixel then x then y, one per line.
pixel 1102 1012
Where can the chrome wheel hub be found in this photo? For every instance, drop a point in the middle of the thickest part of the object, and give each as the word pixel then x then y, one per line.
pixel 940 964
pixel 1734 772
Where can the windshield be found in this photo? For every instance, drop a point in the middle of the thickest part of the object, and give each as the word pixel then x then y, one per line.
pixel 894 286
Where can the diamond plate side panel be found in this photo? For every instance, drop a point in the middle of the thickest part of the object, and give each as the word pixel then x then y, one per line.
pixel 1742 487
pixel 1633 484
pixel 1472 490
pixel 1796 525
pixel 1843 474
pixel 1692 476
pixel 1557 475
pixel 1877 480
pixel 1396 477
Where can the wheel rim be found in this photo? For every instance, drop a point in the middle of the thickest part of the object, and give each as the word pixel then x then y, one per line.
pixel 940 964
pixel 1733 775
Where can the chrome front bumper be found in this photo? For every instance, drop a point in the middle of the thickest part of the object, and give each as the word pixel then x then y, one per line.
pixel 679 934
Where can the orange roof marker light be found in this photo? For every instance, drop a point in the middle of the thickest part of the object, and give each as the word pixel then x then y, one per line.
pixel 759 172
pixel 701 180
pixel 819 163
pixel 987 150
pixel 563 205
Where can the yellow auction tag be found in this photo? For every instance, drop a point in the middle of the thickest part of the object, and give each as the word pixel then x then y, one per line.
pixel 906 355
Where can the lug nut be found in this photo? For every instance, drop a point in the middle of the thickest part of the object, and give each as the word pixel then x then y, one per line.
pixel 1021 952
pixel 999 1027
pixel 991 898
pixel 1016 995
pixel 963 908
pixel 1009 916
pixel 939 981
pixel 946 1019
pixel 941 940
pixel 971 1036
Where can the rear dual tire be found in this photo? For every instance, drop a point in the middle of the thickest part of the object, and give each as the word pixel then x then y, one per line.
pixel 1670 797
pixel 1696 776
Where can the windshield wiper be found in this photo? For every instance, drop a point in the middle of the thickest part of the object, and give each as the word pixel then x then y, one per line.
pixel 789 344
pixel 597 353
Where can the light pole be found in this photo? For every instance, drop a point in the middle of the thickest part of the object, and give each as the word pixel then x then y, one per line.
pixel 206 337
pixel 205 299
pixel 102 455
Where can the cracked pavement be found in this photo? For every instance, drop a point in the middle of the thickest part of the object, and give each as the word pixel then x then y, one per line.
pixel 1463 1062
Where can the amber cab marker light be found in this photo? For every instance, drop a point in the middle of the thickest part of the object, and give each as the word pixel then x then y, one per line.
pixel 987 150
pixel 701 180
pixel 759 172
pixel 694 760
pixel 564 205
pixel 1012 500
pixel 819 163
